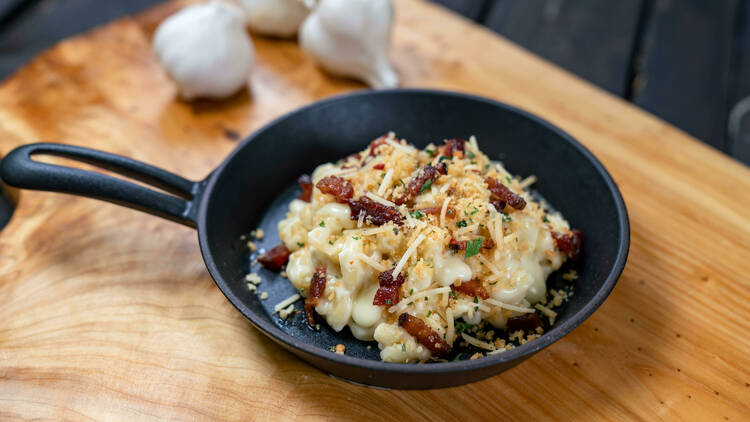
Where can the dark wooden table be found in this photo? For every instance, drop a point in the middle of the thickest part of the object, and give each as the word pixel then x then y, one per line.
pixel 686 61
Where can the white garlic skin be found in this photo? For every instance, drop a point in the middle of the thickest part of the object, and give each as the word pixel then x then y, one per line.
pixel 280 18
pixel 351 38
pixel 206 50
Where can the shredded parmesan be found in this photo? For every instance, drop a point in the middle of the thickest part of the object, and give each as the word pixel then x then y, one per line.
pixel 450 333
pixel 361 219
pixel 404 148
pixel 380 200
pixel 549 313
pixel 444 210
pixel 401 306
pixel 509 307
pixel 525 183
pixel 286 302
pixel 371 262
pixel 473 143
pixel 405 257
pixel 490 265
pixel 478 343
pixel 386 182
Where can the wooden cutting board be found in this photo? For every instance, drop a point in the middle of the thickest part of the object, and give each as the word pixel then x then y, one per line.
pixel 106 313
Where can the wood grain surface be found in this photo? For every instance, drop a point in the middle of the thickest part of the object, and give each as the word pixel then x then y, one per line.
pixel 109 314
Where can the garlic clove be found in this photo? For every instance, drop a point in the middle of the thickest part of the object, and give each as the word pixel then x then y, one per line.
pixel 279 18
pixel 205 50
pixel 351 38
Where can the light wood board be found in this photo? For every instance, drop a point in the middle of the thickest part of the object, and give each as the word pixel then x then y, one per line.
pixel 109 314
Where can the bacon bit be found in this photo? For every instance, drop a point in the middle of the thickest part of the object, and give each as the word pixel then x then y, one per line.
pixel 451 191
pixel 415 185
pixel 498 204
pixel 379 166
pixel 375 144
pixel 275 258
pixel 456 245
pixel 502 192
pixel 317 287
pixel 450 212
pixel 340 188
pixel 525 322
pixel 453 145
pixel 569 243
pixel 472 288
pixel 375 212
pixel 425 335
pixel 305 182
pixel 389 291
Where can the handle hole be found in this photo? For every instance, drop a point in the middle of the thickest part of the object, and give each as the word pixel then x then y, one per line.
pixel 43 157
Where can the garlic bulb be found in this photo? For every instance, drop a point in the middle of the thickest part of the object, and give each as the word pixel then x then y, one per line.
pixel 206 50
pixel 351 38
pixel 281 18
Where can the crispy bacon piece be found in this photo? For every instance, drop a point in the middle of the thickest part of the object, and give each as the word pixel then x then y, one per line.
pixel 503 193
pixel 275 258
pixel 453 145
pixel 569 243
pixel 389 291
pixel 340 188
pixel 317 287
pixel 379 166
pixel 425 335
pixel 305 182
pixel 416 183
pixel 450 212
pixel 375 144
pixel 375 212
pixel 498 204
pixel 456 245
pixel 472 288
pixel 525 322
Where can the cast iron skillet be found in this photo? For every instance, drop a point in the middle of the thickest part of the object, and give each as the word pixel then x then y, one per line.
pixel 254 185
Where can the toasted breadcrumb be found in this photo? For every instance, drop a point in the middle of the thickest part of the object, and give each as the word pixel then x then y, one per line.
pixel 264 295
pixel 253 278
pixel 252 246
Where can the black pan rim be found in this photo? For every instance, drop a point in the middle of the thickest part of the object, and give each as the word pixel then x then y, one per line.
pixel 525 350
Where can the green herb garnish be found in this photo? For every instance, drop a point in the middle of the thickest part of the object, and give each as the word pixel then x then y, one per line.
pixel 430 152
pixel 443 158
pixel 425 186
pixel 461 223
pixel 417 214
pixel 387 301
pixel 476 300
pixel 355 237
pixel 403 347
pixel 545 219
pixel 458 357
pixel 322 224
pixel 470 155
pixel 508 179
pixel 429 313
pixel 507 218
pixel 411 292
pixel 473 247
pixel 476 210
pixel 395 230
pixel 301 245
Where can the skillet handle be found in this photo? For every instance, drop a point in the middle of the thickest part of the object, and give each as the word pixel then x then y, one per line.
pixel 20 170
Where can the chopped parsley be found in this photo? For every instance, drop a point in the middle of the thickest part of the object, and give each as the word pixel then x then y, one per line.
pixel 463 326
pixel 476 300
pixel 426 298
pixel 545 219
pixel 461 223
pixel 493 283
pixel 403 347
pixel 355 237
pixel 508 179
pixel 430 152
pixel 317 327
pixel 429 313
pixel 301 245
pixel 476 210
pixel 443 158
pixel 395 230
pixel 458 357
pixel 330 242
pixel 452 294
pixel 486 166
pixel 411 292
pixel 507 218
pixel 473 247
pixel 322 224
pixel 387 301
pixel 402 182
pixel 425 186
pixel 470 155
pixel 417 214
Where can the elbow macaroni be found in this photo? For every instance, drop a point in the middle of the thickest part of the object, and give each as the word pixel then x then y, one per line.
pixel 514 271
